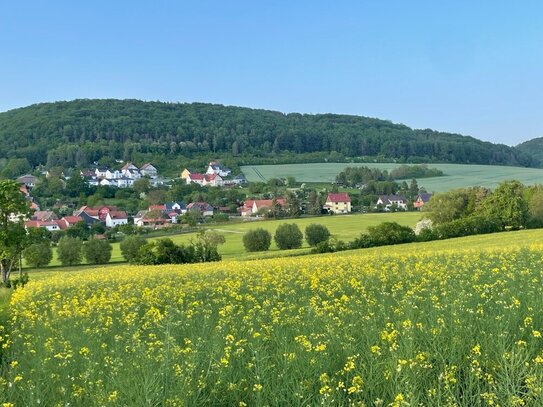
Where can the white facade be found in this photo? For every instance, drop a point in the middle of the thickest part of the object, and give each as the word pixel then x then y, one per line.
pixel 112 222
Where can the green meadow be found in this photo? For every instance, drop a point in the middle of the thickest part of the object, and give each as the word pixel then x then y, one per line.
pixel 456 175
pixel 344 227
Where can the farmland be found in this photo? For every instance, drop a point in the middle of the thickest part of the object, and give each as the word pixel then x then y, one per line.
pixel 439 323
pixel 456 175
pixel 345 227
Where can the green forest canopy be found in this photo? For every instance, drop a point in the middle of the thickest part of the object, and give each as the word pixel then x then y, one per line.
pixel 76 133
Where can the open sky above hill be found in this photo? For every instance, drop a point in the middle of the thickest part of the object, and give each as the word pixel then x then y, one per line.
pixel 459 66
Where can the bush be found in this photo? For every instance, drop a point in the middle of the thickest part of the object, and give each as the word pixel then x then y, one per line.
pixel 388 233
pixel 97 251
pixel 69 251
pixel 38 254
pixel 130 247
pixel 257 240
pixel 315 234
pixel 288 236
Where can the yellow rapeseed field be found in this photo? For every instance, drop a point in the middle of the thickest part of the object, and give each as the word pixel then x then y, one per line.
pixel 421 329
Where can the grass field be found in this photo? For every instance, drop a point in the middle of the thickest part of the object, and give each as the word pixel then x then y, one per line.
pixel 457 175
pixel 437 323
pixel 345 227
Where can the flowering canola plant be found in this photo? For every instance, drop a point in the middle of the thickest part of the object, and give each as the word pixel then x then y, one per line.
pixel 451 329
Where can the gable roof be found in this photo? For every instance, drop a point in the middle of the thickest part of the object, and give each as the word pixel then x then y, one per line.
pixel 203 206
pixel 72 219
pixel 424 197
pixel 117 215
pixel 393 198
pixel 338 197
pixel 147 165
pixel 197 176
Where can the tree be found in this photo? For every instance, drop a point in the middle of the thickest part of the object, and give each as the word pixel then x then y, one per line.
pixel 97 251
pixel 292 204
pixel 130 247
pixel 288 236
pixel 257 240
pixel 38 254
pixel 508 204
pixel 13 210
pixel 142 186
pixel 535 208
pixel 315 234
pixel 314 206
pixel 206 246
pixel 70 251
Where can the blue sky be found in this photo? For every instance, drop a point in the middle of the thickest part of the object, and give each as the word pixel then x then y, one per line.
pixel 471 67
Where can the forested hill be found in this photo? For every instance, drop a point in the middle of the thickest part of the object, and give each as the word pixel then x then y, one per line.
pixel 78 132
pixel 533 148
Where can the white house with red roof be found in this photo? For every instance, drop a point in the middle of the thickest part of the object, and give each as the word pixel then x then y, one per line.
pixel 116 218
pixel 196 178
pixel 213 180
pixel 338 203
pixel 149 170
pixel 252 206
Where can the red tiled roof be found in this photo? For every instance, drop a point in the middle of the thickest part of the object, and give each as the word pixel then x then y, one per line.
pixel 339 197
pixel 38 223
pixel 157 207
pixel 118 215
pixel 197 176
pixel 72 219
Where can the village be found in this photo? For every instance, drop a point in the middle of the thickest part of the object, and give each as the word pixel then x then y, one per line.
pixel 168 213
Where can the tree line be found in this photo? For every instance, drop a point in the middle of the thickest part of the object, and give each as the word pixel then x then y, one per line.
pixel 79 132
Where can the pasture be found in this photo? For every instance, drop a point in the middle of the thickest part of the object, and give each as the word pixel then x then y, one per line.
pixel 456 175
pixel 414 324
pixel 344 227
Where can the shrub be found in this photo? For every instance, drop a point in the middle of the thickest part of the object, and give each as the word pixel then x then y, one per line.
pixel 388 233
pixel 38 254
pixel 97 251
pixel 288 236
pixel 130 247
pixel 315 234
pixel 257 240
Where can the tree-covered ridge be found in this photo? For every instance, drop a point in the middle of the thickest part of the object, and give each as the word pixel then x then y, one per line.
pixel 533 148
pixel 78 132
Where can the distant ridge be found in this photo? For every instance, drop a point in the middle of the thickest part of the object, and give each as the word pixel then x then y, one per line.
pixel 77 132
pixel 533 148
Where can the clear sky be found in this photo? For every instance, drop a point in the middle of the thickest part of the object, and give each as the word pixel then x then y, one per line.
pixel 471 67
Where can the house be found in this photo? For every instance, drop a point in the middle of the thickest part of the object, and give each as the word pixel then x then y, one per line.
pixel 213 180
pixel 158 181
pixel 388 201
pixel 124 182
pixel 27 180
pixel 69 221
pixel 216 168
pixel 44 216
pixel 113 174
pixel 153 217
pixel 421 200
pixel 196 178
pixel 100 172
pixel 186 172
pixel 251 207
pixel 203 207
pixel 149 170
pixel 338 203
pixel 240 180
pixel 178 207
pixel 129 167
pixel 140 215
pixel 116 218
pixel 51 226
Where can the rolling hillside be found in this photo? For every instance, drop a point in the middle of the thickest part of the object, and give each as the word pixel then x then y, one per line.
pixel 533 147
pixel 79 132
